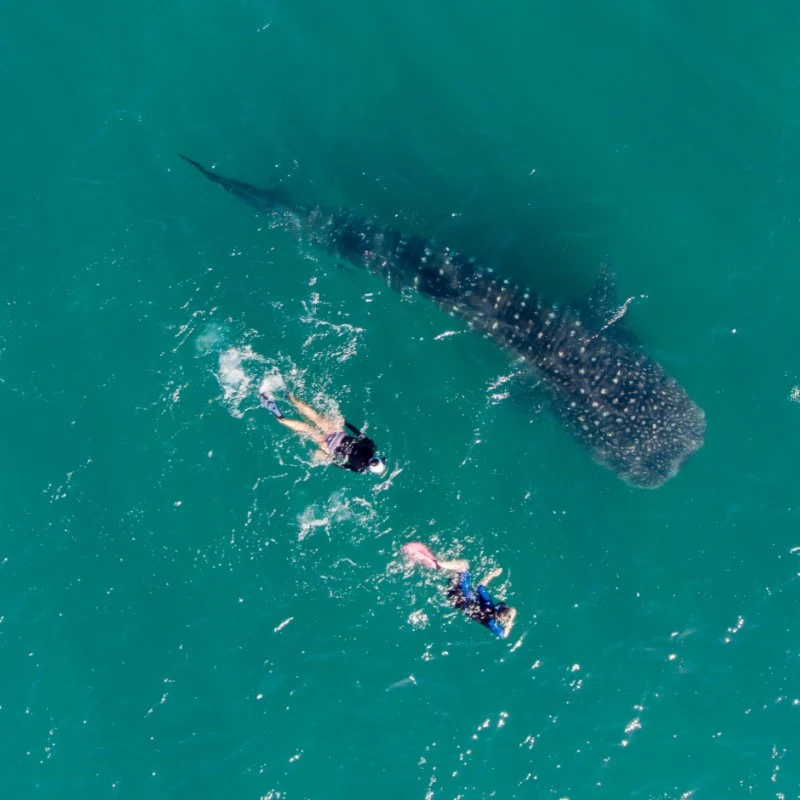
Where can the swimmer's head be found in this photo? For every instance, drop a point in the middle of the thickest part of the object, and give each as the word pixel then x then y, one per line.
pixel 377 466
pixel 505 616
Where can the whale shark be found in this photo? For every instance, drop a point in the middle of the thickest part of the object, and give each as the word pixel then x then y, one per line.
pixel 622 406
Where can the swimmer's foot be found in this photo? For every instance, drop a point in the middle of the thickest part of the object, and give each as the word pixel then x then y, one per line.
pixel 268 401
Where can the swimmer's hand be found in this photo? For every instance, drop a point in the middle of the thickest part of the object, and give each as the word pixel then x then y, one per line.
pixel 508 622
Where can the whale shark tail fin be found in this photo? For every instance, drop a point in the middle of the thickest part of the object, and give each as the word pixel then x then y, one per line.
pixel 209 175
pixel 269 200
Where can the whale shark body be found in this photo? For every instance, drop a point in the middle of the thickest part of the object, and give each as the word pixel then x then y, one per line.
pixel 632 416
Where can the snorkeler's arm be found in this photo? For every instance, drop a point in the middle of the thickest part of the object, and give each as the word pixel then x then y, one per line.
pixel 352 428
pixel 321 456
pixel 508 622
pixel 326 425
pixel 459 565
pixel 492 575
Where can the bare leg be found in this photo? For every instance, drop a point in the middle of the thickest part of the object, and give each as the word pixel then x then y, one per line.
pixel 324 424
pixel 460 565
pixel 492 575
pixel 303 429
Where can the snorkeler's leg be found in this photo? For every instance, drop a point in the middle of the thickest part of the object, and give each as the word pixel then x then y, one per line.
pixel 323 423
pixel 303 429
pixel 495 573
pixel 459 565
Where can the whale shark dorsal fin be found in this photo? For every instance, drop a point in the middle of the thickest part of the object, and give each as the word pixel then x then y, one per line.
pixel 603 311
pixel 601 300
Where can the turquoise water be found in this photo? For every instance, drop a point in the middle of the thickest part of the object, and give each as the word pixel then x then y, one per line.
pixel 187 607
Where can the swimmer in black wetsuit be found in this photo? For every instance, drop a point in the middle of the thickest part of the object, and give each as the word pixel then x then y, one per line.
pixel 339 442
pixel 476 603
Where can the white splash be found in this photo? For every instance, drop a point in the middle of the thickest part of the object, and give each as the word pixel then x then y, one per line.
pixel 634 725
pixel 339 508
pixel 330 340
pixel 272 383
pixel 308 522
pixel 236 376
pixel 211 339
pixel 446 335
pixel 732 631
pixel 409 681
pixel 619 313
pixel 418 619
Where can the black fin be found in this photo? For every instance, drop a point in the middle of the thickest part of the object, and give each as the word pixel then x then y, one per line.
pixel 207 173
pixel 268 200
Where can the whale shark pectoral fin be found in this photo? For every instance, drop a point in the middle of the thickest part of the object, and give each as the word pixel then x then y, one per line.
pixel 602 310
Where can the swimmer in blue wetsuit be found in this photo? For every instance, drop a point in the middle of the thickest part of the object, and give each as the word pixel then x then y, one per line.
pixel 476 603
pixel 338 441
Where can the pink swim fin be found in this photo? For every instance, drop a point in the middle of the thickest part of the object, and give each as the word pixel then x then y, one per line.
pixel 416 551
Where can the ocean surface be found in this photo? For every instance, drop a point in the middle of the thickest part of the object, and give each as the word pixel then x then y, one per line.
pixel 189 607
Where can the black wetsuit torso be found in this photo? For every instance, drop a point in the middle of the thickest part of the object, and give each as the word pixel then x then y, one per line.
pixel 350 452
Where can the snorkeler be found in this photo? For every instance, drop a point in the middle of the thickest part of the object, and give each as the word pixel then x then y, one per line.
pixel 333 437
pixel 476 603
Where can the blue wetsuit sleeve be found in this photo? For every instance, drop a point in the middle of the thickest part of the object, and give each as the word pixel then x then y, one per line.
pixel 496 628
pixel 466 589
pixel 486 598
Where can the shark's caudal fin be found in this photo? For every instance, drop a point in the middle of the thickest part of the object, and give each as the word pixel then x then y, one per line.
pixel 261 199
